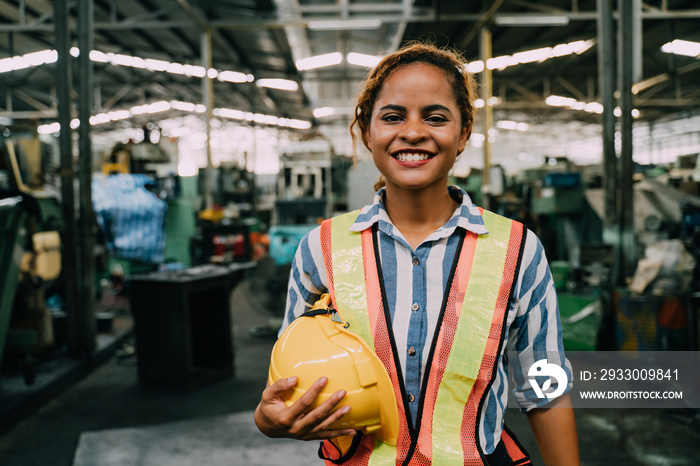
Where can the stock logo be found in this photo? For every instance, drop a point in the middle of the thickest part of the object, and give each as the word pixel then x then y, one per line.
pixel 542 368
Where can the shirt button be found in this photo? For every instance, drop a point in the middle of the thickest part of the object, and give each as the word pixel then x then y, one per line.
pixel 411 398
pixel 411 351
pixel 416 261
pixel 415 306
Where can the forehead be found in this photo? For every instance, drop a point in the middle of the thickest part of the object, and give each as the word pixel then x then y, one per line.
pixel 417 79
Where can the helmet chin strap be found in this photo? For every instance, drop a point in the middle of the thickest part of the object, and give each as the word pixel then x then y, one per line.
pixel 322 307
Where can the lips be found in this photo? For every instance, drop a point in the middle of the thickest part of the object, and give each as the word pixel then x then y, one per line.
pixel 412 156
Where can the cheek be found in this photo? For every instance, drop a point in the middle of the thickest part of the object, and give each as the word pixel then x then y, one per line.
pixel 373 139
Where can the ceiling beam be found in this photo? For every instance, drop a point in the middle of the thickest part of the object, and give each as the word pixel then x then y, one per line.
pixel 227 47
pixel 566 84
pixel 376 7
pixel 415 17
pixel 525 92
pixel 31 100
pixel 483 20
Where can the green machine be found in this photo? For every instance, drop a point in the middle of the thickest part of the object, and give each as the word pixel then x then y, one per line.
pixel 180 223
pixel 559 193
pixel 12 239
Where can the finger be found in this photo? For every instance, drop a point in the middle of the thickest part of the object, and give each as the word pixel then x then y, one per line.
pixel 318 419
pixel 331 418
pixel 282 385
pixel 323 409
pixel 304 403
pixel 328 434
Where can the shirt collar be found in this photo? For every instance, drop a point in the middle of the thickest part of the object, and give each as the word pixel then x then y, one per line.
pixel 466 216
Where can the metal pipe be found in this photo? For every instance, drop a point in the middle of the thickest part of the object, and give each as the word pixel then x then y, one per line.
pixel 208 97
pixel 486 94
pixel 606 80
pixel 626 80
pixel 87 223
pixel 69 256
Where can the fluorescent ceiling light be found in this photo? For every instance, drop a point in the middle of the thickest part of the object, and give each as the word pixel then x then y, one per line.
pixel 21 62
pixel 51 56
pixel 476 66
pixel 559 101
pixel 529 56
pixel 590 107
pixel 512 125
pixel 153 64
pixel 49 128
pixel 319 61
pixel 324 112
pixel 234 77
pixel 593 107
pixel 580 46
pixel 281 84
pixel 342 24
pixel 361 59
pixel 531 20
pixel 161 106
pixel 101 57
pixel 533 55
pixel 682 47
pixel 501 62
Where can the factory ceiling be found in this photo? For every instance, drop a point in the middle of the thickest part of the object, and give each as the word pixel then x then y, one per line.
pixel 154 51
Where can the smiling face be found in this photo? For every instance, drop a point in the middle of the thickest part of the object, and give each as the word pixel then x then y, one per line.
pixel 416 132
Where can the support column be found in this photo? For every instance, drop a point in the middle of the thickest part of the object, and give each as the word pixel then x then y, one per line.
pixel 606 82
pixel 69 237
pixel 626 80
pixel 208 101
pixel 87 224
pixel 486 94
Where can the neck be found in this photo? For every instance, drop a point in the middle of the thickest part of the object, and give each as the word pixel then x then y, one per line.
pixel 418 213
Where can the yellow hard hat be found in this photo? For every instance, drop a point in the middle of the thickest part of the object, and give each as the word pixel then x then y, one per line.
pixel 317 344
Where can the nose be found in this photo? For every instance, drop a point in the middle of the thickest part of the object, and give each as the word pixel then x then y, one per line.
pixel 413 130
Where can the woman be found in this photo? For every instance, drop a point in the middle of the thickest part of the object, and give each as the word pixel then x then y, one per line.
pixel 451 291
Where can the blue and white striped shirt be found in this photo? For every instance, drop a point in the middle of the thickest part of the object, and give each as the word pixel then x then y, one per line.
pixel 415 290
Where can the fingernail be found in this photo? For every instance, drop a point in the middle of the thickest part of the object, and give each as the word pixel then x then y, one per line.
pixel 345 409
pixel 323 380
pixel 292 380
pixel 341 393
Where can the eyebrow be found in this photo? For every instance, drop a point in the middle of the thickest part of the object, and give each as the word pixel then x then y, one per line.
pixel 427 108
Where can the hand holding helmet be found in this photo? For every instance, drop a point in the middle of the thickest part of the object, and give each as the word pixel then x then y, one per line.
pixel 318 344
pixel 301 419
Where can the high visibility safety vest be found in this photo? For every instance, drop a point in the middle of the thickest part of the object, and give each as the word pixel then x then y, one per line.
pixel 463 356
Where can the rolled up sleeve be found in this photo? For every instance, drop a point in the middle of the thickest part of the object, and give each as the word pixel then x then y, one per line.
pixel 535 334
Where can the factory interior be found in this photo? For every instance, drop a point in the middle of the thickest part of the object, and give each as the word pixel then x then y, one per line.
pixel 154 191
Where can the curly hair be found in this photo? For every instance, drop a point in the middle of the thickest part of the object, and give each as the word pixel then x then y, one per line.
pixel 449 61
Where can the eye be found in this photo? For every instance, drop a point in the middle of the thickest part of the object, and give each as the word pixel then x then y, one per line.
pixel 436 119
pixel 391 118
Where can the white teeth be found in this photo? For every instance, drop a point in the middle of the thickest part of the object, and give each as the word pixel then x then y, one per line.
pixel 410 157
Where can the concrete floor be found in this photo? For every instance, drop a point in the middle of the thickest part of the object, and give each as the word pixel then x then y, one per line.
pixel 109 418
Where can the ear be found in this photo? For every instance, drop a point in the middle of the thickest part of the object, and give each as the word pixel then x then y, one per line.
pixel 464 137
pixel 367 140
